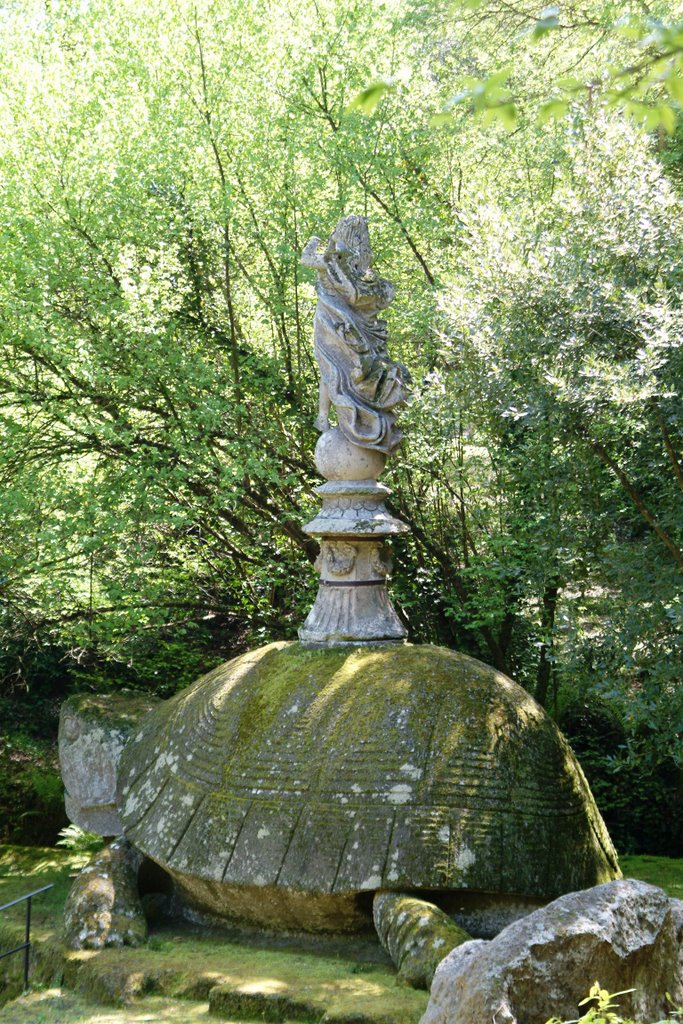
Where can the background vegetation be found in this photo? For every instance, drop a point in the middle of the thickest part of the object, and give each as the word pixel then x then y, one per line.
pixel 161 168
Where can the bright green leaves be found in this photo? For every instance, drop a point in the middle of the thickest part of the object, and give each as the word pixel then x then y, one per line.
pixel 674 87
pixel 367 100
pixel 551 110
pixel 489 97
pixel 548 22
pixel 640 75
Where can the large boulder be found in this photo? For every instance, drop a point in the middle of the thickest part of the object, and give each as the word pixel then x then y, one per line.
pixel 625 934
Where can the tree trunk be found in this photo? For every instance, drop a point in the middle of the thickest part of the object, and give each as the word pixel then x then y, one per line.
pixel 545 661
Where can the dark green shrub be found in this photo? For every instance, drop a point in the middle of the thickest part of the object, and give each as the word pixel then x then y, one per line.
pixel 640 797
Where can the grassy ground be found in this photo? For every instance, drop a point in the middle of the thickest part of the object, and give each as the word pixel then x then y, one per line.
pixel 172 979
pixel 666 872
pixel 251 977
pixel 244 975
pixel 53 1006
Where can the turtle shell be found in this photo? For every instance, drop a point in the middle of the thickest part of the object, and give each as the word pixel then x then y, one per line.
pixel 290 781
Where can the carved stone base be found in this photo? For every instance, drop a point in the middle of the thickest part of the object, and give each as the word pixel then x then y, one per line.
pixel 352 611
pixel 353 604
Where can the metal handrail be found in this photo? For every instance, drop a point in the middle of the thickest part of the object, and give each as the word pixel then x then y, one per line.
pixel 26 944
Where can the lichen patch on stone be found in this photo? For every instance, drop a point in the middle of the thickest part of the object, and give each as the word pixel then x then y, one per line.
pixel 323 771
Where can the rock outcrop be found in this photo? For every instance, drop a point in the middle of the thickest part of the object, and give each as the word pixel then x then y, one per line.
pixel 625 934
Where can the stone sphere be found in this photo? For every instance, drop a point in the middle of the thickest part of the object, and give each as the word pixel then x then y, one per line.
pixel 290 784
pixel 337 458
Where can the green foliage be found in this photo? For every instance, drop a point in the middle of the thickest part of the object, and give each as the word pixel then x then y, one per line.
pixel 636 66
pixel 639 792
pixel 79 840
pixel 601 1010
pixel 31 791
pixel 162 171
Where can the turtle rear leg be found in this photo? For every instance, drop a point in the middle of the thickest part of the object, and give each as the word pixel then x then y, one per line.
pixel 103 907
pixel 416 935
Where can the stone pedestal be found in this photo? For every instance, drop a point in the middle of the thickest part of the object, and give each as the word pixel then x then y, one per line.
pixel 352 605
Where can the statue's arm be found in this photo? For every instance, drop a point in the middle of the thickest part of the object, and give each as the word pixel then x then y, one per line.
pixel 312 257
pixel 327 265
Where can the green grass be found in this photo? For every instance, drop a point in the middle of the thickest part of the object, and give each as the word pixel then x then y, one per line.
pixel 666 872
pixel 252 977
pixel 25 868
pixel 259 977
pixel 56 1007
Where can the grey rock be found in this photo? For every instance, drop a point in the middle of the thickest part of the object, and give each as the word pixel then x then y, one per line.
pixel 103 907
pixel 623 934
pixel 677 914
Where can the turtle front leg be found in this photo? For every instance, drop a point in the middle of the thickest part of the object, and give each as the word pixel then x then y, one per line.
pixel 103 907
pixel 415 934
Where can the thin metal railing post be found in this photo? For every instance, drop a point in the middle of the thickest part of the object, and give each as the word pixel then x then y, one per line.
pixel 26 944
pixel 27 950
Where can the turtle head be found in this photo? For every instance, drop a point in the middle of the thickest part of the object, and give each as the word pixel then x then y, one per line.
pixel 93 730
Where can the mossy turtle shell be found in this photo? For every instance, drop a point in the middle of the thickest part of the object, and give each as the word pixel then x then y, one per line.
pixel 334 772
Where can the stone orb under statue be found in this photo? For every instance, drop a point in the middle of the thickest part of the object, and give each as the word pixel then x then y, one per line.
pixel 337 458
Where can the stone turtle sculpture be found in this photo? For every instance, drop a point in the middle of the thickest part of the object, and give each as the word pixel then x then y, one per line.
pixel 93 730
pixel 291 785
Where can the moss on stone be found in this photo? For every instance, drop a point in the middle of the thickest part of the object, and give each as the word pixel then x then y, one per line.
pixel 416 934
pixel 103 907
pixel 338 771
pixel 110 709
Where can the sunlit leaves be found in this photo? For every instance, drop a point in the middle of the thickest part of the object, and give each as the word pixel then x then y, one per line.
pixel 548 21
pixel 551 111
pixel 642 83
pixel 367 100
pixel 489 97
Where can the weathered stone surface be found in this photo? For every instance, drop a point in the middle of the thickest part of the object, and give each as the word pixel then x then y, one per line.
pixel 366 388
pixel 103 907
pixel 416 935
pixel 93 729
pixel 357 376
pixel 352 604
pixel 337 458
pixel 677 914
pixel 622 933
pixel 288 782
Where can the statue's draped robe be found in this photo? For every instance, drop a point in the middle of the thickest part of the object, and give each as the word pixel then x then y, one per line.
pixel 364 384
